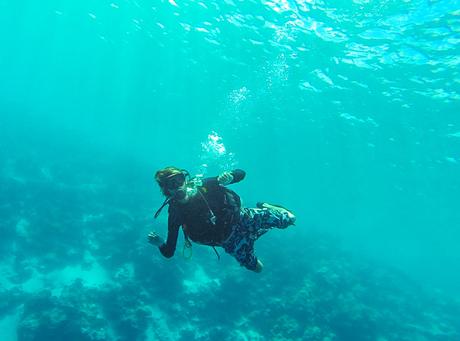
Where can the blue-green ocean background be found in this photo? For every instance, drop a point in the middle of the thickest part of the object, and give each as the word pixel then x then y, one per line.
pixel 345 111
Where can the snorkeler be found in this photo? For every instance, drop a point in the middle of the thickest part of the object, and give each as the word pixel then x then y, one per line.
pixel 211 214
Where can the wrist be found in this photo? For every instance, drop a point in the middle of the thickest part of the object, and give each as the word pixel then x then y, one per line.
pixel 225 178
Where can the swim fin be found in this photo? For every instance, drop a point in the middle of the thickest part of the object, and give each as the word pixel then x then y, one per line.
pixel 278 208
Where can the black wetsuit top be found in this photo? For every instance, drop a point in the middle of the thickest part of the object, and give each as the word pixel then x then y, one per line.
pixel 195 216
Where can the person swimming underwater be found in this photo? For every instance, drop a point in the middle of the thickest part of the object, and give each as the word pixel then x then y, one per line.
pixel 211 214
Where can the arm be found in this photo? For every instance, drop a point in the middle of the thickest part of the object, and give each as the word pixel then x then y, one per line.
pixel 226 178
pixel 167 248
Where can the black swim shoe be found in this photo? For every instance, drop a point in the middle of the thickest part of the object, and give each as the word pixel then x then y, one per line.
pixel 278 208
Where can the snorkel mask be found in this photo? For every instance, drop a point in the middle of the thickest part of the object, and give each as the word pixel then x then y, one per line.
pixel 175 185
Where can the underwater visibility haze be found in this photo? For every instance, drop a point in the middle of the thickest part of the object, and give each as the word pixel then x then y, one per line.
pixel 347 112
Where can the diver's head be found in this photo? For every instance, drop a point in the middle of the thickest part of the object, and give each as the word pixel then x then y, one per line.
pixel 172 182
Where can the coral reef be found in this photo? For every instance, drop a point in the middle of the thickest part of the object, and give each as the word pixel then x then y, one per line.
pixel 79 268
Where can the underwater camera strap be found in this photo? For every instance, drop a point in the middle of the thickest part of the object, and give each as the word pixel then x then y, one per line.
pixel 217 253
pixel 213 217
pixel 187 250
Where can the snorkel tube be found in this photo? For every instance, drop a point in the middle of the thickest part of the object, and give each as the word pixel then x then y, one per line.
pixel 173 186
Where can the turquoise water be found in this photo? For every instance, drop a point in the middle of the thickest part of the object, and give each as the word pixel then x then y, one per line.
pixel 345 111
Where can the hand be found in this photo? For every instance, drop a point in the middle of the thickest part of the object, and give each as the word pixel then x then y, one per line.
pixel 225 178
pixel 154 239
